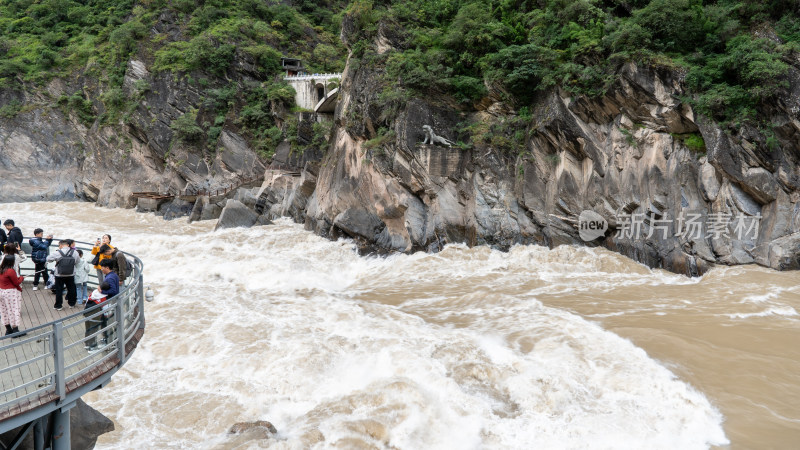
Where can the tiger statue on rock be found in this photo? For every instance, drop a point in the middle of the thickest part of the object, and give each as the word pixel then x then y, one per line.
pixel 433 139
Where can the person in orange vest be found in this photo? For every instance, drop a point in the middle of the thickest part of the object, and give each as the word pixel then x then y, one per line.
pixel 105 240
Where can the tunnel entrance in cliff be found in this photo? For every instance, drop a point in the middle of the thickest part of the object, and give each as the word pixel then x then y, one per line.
pixel 320 92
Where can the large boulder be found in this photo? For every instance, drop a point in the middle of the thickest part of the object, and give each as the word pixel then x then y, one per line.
pixel 236 214
pixel 86 425
pixel 212 211
pixel 197 210
pixel 261 426
pixel 176 208
pixel 246 434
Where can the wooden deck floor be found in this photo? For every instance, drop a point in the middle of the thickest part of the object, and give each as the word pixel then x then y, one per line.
pixel 37 306
pixel 37 309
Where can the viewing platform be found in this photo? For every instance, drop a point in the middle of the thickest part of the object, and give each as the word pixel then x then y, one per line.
pixel 45 372
pixel 314 76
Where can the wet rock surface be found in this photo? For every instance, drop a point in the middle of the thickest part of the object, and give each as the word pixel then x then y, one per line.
pixel 623 155
pixel 243 427
pixel 243 433
pixel 86 425
pixel 237 214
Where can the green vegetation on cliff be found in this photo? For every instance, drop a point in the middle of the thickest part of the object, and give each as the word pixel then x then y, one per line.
pixel 230 50
pixel 43 39
pixel 735 53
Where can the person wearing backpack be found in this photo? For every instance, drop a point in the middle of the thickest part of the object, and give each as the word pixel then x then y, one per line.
pixel 66 259
pixel 40 248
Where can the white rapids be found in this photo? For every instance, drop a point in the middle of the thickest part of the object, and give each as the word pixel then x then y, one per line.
pixel 455 350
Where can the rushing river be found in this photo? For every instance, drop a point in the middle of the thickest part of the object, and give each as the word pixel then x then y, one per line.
pixel 467 348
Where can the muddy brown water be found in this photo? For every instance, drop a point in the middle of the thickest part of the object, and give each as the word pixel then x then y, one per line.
pixel 467 348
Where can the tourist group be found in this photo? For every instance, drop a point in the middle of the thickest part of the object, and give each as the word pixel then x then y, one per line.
pixel 64 270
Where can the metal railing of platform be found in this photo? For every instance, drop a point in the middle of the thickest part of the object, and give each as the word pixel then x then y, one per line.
pixel 54 359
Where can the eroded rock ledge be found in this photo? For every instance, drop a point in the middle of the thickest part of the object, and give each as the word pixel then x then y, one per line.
pixel 621 154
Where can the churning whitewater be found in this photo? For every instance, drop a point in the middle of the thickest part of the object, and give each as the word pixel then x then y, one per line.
pixel 448 350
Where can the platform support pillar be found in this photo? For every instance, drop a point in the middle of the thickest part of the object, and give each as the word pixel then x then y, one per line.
pixel 61 436
pixel 38 434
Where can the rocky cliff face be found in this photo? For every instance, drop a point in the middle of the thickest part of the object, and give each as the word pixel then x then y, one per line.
pixel 62 142
pixel 48 153
pixel 634 156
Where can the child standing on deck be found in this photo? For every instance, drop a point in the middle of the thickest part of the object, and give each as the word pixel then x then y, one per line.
pixel 82 269
pixel 40 249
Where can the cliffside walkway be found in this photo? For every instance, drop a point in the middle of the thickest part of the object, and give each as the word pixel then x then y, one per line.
pixel 43 373
pixel 191 195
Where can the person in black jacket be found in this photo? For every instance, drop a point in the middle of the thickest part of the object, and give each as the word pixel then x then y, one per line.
pixel 64 273
pixel 119 263
pixel 40 249
pixel 14 233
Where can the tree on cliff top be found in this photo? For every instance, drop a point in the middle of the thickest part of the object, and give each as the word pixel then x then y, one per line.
pixel 579 45
pixel 51 38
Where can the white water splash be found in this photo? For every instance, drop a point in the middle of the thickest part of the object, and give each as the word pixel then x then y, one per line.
pixel 412 351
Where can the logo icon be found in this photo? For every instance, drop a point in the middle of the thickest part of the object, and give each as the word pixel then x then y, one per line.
pixel 591 225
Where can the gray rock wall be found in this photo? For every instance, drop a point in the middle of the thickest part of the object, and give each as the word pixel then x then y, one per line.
pixel 623 156
pixel 47 153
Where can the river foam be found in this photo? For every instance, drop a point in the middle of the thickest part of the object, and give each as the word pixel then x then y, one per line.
pixel 451 350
